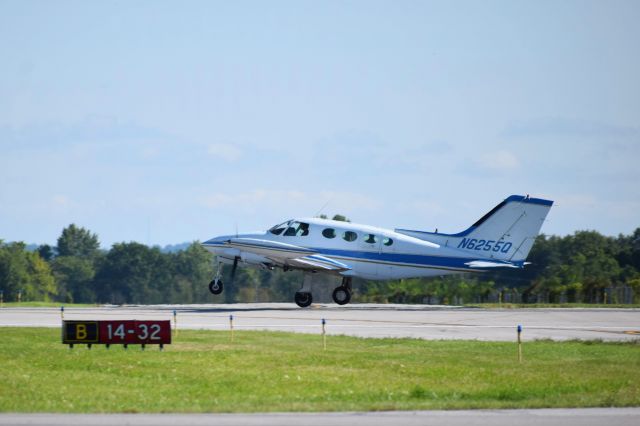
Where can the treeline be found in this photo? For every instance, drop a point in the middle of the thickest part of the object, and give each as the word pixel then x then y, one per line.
pixel 584 267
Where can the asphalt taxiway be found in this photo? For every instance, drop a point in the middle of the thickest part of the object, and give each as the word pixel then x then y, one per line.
pixel 364 320
pixel 565 417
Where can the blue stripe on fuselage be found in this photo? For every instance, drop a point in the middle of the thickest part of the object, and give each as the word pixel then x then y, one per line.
pixel 399 259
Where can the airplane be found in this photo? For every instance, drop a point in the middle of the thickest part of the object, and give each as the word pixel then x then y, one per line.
pixel 502 238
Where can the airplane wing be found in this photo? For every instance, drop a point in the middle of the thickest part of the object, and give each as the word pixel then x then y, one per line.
pixel 319 262
pixel 271 249
pixel 287 254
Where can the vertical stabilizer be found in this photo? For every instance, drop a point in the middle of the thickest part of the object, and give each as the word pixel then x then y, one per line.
pixel 506 233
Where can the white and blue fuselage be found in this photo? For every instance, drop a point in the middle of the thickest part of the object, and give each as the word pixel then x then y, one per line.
pixel 501 238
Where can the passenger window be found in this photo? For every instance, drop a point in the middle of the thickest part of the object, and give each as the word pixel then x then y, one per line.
pixel 349 236
pixel 387 241
pixel 370 239
pixel 329 233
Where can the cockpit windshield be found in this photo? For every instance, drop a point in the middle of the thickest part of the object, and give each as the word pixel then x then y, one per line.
pixel 277 230
pixel 297 229
pixel 291 228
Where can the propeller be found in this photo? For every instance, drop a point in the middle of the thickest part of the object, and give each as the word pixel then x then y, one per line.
pixel 234 268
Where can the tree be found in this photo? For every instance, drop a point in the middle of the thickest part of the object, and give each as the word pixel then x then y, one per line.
pixel 135 273
pixel 78 241
pixel 24 272
pixel 46 252
pixel 193 269
pixel 74 276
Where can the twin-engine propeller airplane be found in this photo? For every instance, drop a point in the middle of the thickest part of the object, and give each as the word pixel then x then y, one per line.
pixel 500 239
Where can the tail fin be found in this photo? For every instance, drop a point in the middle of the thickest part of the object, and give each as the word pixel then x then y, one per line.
pixel 507 232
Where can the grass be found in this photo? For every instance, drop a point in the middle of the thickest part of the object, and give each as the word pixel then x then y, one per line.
pixel 551 305
pixel 202 371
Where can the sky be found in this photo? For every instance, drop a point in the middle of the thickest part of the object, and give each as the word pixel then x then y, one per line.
pixel 170 121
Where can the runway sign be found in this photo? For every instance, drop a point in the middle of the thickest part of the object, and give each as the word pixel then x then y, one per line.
pixel 128 332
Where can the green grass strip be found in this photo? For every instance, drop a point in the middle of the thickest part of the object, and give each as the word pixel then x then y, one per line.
pixel 203 371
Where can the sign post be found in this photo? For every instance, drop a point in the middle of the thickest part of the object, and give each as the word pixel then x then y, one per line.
pixel 175 323
pixel 519 343
pixel 324 334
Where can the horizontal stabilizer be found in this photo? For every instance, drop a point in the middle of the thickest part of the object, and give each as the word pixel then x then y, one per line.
pixel 488 264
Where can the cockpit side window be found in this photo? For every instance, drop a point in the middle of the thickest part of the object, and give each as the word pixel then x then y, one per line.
pixel 387 241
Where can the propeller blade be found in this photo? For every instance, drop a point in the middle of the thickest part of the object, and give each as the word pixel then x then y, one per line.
pixel 234 268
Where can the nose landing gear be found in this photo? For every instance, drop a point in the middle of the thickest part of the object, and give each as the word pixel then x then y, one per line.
pixel 215 286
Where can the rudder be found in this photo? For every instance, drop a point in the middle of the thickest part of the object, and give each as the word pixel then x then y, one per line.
pixel 506 233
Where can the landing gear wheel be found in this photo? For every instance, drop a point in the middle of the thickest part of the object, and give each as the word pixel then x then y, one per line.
pixel 303 299
pixel 341 295
pixel 215 286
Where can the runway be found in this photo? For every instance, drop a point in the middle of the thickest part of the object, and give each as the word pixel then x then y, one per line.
pixel 365 320
pixel 566 417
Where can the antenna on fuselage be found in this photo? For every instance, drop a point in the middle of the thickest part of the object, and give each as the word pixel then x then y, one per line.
pixel 322 208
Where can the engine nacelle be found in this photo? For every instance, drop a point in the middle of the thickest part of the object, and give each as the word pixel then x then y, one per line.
pixel 248 259
pixel 253 259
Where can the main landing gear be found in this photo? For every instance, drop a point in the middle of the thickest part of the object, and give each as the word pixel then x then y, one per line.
pixel 342 294
pixel 303 297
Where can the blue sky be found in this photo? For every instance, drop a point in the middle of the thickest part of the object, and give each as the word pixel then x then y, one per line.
pixel 164 122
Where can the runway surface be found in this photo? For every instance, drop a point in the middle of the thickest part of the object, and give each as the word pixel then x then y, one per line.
pixel 365 320
pixel 566 417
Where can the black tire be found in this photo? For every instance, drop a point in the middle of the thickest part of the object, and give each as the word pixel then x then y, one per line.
pixel 216 287
pixel 303 299
pixel 341 295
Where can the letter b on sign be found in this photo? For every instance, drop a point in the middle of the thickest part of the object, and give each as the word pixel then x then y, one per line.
pixel 81 331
